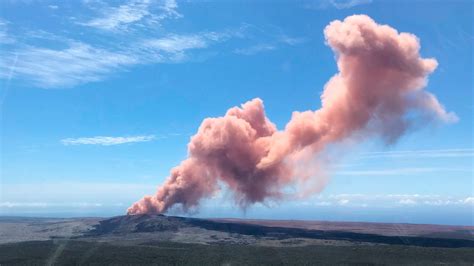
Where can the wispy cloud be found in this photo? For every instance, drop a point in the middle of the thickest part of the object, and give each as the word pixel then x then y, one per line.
pixel 57 60
pixel 106 141
pixel 290 40
pixel 5 38
pixel 343 4
pixel 122 16
pixel 9 204
pixel 388 200
pixel 438 201
pixel 74 191
pixel 76 64
pixel 469 200
pixel 338 4
pixel 407 202
pixel 177 43
pixel 255 49
pixel 421 153
pixel 399 171
pixel 80 63
pixel 174 46
pixel 71 196
pixel 271 45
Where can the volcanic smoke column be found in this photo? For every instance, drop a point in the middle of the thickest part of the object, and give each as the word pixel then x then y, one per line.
pixel 378 92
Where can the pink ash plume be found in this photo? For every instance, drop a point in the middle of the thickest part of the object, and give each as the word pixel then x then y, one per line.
pixel 380 81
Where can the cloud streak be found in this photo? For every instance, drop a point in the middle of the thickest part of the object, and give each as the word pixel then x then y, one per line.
pixel 435 153
pixel 4 36
pixel 255 49
pixel 344 4
pixel 106 141
pixel 399 171
pixel 72 62
pixel 131 39
pixel 174 47
pixel 76 62
pixel 388 200
pixel 132 12
pixel 272 45
pixel 9 204
pixel 79 63
pixel 338 4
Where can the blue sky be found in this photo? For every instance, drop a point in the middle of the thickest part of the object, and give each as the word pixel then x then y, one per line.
pixel 99 99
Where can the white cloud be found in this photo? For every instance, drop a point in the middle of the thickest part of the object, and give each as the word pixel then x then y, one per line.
pixel 8 204
pixel 134 11
pixel 398 171
pixel 255 49
pixel 72 62
pixel 435 153
pixel 79 63
pixel 338 4
pixel 323 203
pixel 106 141
pixel 73 191
pixel 177 43
pixel 271 45
pixel 124 14
pixel 469 200
pixel 4 37
pixel 343 202
pixel 175 47
pixel 387 200
pixel 407 202
pixel 343 4
pixel 170 5
pixel 290 40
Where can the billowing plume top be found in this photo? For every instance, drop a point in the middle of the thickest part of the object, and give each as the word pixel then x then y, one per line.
pixel 381 80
